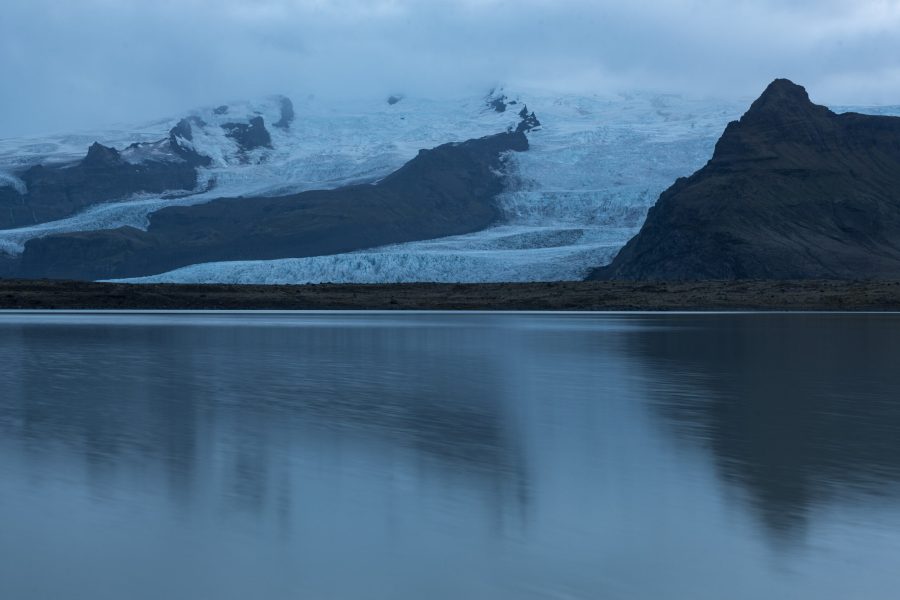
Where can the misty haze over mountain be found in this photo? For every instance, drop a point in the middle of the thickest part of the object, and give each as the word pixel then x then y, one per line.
pixel 74 65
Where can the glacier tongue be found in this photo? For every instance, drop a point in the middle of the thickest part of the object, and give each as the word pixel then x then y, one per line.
pixel 503 253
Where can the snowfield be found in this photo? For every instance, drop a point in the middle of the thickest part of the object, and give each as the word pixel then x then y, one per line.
pixel 582 190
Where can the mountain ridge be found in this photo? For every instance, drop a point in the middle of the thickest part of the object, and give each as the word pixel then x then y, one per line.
pixel 792 191
pixel 444 191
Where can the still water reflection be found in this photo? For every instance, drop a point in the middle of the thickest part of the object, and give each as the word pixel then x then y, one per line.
pixel 449 456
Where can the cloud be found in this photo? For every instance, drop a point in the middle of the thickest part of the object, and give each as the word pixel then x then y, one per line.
pixel 69 64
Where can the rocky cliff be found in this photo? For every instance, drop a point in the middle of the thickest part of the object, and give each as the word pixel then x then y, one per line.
pixel 793 191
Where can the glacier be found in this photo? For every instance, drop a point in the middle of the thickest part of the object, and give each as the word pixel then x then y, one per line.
pixel 328 146
pixel 572 201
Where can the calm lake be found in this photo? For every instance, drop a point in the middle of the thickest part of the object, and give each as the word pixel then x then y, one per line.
pixel 449 456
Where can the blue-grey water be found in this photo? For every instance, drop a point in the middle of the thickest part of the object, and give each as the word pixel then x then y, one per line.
pixel 438 456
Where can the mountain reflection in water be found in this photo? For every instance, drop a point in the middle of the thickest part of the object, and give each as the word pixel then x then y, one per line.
pixel 449 455
pixel 799 410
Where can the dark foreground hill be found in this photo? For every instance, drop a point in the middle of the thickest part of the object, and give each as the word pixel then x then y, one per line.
pixel 444 191
pixel 793 191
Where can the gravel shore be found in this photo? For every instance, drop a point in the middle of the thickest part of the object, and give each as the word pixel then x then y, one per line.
pixel 592 295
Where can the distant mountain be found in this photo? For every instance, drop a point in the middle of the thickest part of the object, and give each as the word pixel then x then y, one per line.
pixel 793 191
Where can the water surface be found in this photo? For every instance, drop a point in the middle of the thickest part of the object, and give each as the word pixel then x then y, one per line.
pixel 411 456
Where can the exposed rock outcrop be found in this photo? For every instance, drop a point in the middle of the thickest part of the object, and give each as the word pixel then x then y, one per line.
pixel 793 191
pixel 496 100
pixel 180 142
pixel 184 129
pixel 249 136
pixel 529 121
pixel 101 157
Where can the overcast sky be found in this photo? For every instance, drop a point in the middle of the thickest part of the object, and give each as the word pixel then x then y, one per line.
pixel 68 64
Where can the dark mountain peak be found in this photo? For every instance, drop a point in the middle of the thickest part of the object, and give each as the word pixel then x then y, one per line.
pixel 776 125
pixel 784 101
pixel 782 92
pixel 99 156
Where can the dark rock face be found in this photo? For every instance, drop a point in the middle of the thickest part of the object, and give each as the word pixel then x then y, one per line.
pixel 101 157
pixel 180 137
pixel 185 128
pixel 497 101
pixel 287 113
pixel 448 190
pixel 529 121
pixel 105 174
pixel 793 191
pixel 249 136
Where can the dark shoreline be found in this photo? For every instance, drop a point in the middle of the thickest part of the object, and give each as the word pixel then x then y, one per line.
pixel 590 295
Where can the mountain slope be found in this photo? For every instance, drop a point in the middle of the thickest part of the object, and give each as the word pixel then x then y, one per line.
pixel 445 191
pixel 793 191
pixel 49 191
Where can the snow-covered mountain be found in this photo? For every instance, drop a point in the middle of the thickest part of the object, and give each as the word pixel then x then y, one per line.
pixel 575 197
